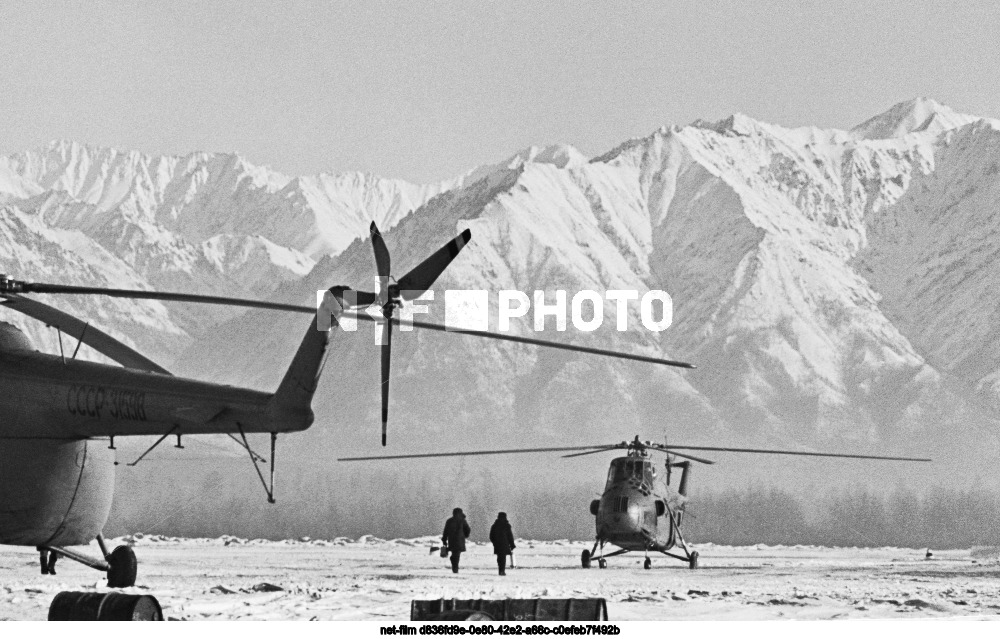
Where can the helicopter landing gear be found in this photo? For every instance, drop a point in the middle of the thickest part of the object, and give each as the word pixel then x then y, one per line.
pixel 647 564
pixel 692 555
pixel 586 557
pixel 121 565
pixel 689 556
pixel 602 561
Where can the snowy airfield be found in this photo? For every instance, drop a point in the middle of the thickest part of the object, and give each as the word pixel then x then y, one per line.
pixel 374 579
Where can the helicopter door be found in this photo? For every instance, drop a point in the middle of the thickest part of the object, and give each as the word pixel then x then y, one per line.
pixel 649 519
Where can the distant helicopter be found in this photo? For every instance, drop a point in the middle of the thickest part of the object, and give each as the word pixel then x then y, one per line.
pixel 57 412
pixel 638 511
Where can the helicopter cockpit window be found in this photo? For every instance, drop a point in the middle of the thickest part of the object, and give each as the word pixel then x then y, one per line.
pixel 621 474
pixel 633 469
pixel 630 469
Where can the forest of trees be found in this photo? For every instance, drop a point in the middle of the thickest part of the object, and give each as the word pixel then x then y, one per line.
pixel 370 501
pixel 937 518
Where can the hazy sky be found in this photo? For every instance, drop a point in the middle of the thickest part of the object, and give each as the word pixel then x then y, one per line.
pixel 427 90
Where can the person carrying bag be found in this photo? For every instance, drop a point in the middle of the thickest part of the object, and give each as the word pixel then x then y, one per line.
pixel 456 531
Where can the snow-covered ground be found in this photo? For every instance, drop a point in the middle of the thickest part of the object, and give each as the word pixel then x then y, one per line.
pixel 374 579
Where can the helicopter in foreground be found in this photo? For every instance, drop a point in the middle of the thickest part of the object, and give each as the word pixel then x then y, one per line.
pixel 640 511
pixel 60 416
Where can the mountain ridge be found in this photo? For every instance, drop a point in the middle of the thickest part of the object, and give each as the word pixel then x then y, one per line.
pixel 790 254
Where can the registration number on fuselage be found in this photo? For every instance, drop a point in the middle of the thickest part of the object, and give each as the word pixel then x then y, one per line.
pixel 101 401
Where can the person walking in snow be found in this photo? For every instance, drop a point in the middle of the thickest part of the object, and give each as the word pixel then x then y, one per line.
pixel 456 530
pixel 503 541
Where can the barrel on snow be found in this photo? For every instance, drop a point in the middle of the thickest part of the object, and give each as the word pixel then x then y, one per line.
pixel 510 609
pixel 101 606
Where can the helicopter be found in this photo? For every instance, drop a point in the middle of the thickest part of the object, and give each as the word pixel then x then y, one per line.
pixel 58 412
pixel 639 511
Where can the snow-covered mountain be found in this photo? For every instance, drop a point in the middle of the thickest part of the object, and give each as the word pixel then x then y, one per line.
pixel 834 287
pixel 208 223
pixel 830 285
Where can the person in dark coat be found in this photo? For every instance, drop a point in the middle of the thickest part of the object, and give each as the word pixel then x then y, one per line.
pixel 456 530
pixel 503 541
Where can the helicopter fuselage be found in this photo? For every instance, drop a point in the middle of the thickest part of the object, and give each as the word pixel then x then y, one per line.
pixel 637 511
pixel 58 415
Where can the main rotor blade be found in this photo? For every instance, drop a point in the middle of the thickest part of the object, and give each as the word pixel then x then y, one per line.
pixel 470 453
pixel 691 457
pixel 768 451
pixel 413 284
pixel 591 452
pixel 364 298
pixel 35 287
pixel 89 335
pixel 386 361
pixel 361 298
pixel 527 340
pixel 382 262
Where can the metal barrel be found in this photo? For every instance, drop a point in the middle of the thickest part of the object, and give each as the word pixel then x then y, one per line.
pixel 101 606
pixel 461 615
pixel 595 609
pixel 556 610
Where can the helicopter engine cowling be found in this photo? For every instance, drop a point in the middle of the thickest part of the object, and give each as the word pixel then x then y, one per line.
pixel 57 492
pixel 13 339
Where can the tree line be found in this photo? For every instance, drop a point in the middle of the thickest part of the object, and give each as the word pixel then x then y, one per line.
pixel 937 517
pixel 369 501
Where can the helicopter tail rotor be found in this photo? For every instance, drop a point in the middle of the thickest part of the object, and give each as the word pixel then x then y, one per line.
pixel 386 362
pixel 409 287
pixel 383 266
pixel 422 277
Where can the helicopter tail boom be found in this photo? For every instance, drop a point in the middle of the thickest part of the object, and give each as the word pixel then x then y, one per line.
pixel 291 403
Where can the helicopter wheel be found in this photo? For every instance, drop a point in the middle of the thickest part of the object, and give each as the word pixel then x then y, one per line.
pixel 585 559
pixel 648 563
pixel 602 563
pixel 123 567
pixel 693 560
